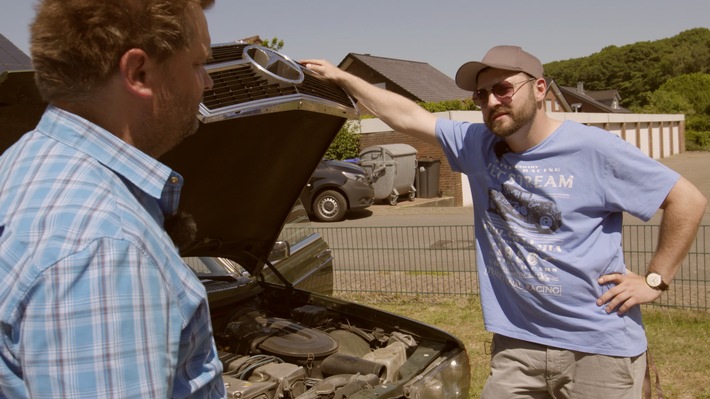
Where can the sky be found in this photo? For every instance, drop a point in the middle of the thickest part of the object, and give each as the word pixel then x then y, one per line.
pixel 444 33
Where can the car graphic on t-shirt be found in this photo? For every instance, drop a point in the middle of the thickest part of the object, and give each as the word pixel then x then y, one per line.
pixel 528 210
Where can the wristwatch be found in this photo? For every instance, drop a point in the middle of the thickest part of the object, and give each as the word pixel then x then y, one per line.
pixel 655 281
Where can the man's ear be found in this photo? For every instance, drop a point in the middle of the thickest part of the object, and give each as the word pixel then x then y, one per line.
pixel 136 69
pixel 540 88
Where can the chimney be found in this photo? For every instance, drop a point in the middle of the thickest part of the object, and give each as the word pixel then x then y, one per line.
pixel 580 87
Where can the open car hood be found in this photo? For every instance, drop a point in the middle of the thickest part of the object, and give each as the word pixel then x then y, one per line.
pixel 21 106
pixel 264 127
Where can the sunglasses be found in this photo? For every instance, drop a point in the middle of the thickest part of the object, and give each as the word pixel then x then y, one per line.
pixel 503 91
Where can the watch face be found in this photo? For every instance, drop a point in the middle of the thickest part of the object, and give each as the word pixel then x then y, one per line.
pixel 653 279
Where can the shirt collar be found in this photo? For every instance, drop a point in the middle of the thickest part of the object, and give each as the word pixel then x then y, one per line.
pixel 145 172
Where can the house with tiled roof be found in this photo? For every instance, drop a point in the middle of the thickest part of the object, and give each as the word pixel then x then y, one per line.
pixel 599 101
pixel 610 98
pixel 415 80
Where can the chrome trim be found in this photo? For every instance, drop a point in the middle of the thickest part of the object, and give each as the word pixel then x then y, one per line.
pixel 313 237
pixel 276 104
pixel 254 80
pixel 273 66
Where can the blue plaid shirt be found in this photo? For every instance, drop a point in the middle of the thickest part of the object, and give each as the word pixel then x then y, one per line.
pixel 95 301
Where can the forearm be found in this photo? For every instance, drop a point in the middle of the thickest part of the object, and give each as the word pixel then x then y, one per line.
pixel 683 209
pixel 400 113
pixel 682 213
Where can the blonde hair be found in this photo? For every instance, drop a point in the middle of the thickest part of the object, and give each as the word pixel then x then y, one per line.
pixel 76 45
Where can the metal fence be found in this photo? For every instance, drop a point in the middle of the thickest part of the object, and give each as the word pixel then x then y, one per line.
pixel 439 260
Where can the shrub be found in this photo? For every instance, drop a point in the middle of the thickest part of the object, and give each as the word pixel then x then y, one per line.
pixel 697 141
pixel 346 144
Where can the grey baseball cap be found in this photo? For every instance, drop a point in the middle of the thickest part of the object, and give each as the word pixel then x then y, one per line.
pixel 508 58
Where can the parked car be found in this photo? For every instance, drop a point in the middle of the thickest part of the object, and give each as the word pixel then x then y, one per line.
pixel 268 274
pixel 335 188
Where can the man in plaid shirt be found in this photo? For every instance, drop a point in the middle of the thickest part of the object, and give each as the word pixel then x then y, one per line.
pixel 95 301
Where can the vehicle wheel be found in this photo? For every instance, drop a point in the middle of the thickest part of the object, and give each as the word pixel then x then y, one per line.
pixel 330 206
pixel 393 199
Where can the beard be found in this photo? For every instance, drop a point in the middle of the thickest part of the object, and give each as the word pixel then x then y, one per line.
pixel 517 118
pixel 179 118
pixel 174 119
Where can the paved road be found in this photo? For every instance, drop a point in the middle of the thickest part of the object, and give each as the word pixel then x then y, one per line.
pixel 694 166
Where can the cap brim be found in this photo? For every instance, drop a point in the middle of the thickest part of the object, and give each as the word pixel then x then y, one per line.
pixel 467 74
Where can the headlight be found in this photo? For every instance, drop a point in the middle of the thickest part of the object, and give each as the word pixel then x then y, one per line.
pixel 448 379
pixel 355 176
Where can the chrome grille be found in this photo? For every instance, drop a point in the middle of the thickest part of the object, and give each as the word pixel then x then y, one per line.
pixel 227 52
pixel 319 87
pixel 242 87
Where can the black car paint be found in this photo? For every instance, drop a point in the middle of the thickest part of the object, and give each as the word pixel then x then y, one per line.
pixel 328 176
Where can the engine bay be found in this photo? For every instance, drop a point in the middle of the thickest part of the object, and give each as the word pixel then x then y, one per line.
pixel 315 353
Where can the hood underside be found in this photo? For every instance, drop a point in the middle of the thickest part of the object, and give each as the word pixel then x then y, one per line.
pixel 21 106
pixel 264 126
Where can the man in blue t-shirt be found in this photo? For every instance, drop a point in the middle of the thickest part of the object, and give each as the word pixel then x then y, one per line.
pixel 549 198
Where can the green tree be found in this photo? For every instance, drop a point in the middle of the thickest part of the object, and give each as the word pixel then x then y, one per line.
pixel 690 95
pixel 275 44
pixel 637 70
pixel 346 144
pixel 668 102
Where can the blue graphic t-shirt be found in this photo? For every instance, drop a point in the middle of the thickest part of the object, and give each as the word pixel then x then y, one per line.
pixel 548 224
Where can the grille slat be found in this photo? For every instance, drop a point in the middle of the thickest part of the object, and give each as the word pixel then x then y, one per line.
pixel 229 52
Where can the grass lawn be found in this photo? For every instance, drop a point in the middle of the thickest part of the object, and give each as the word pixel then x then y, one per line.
pixel 678 339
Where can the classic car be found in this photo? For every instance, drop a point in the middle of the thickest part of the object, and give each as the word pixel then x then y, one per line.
pixel 268 274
